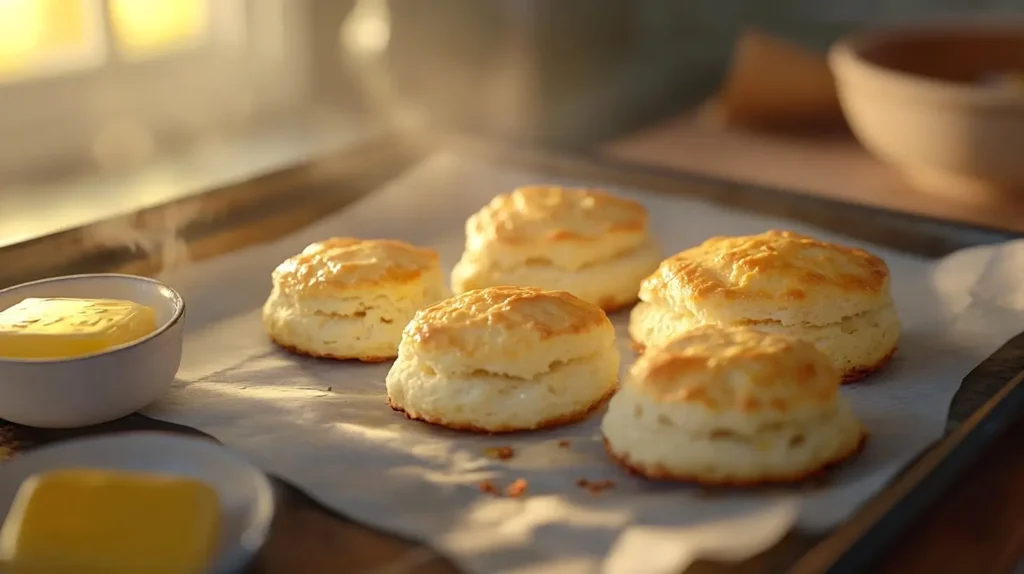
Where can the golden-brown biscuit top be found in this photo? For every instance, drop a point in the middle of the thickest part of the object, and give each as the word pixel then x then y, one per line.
pixel 547 214
pixel 777 275
pixel 503 320
pixel 346 263
pixel 737 369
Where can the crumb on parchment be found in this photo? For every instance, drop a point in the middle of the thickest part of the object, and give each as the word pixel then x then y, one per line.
pixel 514 490
pixel 517 488
pixel 595 486
pixel 564 443
pixel 500 452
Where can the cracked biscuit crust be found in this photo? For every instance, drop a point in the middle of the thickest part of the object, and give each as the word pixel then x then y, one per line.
pixel 777 275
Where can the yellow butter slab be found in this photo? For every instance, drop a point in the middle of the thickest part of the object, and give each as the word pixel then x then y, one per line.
pixel 83 521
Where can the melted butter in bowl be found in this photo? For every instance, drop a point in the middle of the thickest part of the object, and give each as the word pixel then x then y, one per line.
pixel 67 328
pixel 86 349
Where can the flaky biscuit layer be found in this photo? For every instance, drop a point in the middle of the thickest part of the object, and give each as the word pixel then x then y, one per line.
pixel 346 298
pixel 568 228
pixel 584 241
pixel 305 328
pixel 610 284
pixel 716 476
pixel 857 345
pixel 514 331
pixel 504 359
pixel 760 377
pixel 731 405
pixel 775 276
pixel 346 267
pixel 484 402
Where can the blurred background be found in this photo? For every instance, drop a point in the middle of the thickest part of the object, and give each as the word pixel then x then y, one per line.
pixel 156 96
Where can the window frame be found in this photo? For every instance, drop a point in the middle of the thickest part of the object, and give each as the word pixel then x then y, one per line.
pixel 92 56
pixel 250 64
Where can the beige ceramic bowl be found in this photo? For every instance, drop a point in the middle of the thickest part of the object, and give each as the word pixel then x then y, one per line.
pixel 943 103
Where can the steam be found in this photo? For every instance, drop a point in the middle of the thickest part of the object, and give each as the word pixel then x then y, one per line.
pixel 155 234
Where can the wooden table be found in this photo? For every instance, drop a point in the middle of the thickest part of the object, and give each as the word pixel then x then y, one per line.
pixel 979 527
pixel 834 166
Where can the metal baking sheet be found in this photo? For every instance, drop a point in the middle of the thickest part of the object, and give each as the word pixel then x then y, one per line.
pixel 989 400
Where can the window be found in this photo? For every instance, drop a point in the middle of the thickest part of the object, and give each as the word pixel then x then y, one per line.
pixel 43 37
pixel 108 80
pixel 143 29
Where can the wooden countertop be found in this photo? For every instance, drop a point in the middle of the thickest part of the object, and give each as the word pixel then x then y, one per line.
pixel 834 166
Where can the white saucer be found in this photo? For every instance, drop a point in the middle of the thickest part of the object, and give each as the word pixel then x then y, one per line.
pixel 246 495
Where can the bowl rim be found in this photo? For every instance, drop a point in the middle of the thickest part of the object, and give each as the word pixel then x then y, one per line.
pixel 847 52
pixel 176 298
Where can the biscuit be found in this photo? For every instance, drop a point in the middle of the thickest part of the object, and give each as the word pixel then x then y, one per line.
pixel 347 298
pixel 731 406
pixel 833 296
pixel 505 359
pixel 590 243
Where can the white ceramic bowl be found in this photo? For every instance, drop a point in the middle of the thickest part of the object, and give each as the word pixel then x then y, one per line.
pixel 246 495
pixel 104 386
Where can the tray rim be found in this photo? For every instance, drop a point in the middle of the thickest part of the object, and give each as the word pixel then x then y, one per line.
pixel 861 540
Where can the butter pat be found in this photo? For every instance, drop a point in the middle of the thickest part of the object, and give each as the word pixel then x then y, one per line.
pixel 81 521
pixel 59 328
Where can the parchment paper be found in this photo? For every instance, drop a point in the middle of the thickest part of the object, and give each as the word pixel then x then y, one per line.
pixel 325 426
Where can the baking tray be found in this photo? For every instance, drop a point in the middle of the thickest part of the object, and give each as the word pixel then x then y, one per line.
pixel 990 400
